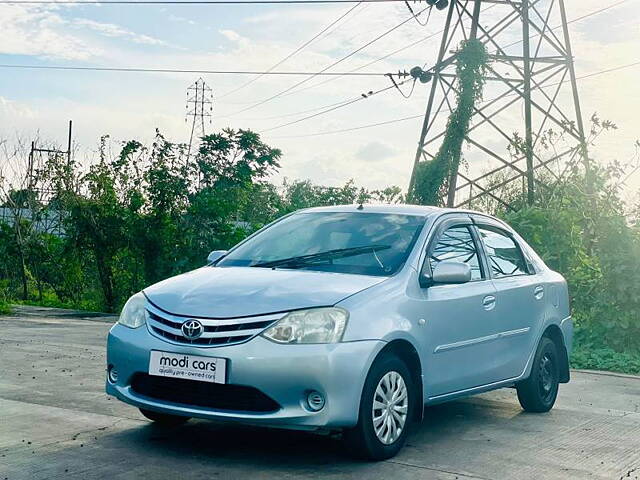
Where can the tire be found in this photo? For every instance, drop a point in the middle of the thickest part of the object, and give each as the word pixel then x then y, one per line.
pixel 387 373
pixel 538 393
pixel 163 419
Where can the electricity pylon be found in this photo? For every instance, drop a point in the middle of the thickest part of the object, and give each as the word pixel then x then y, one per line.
pixel 531 88
pixel 199 107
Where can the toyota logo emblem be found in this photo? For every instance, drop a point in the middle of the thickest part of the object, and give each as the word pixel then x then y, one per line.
pixel 192 329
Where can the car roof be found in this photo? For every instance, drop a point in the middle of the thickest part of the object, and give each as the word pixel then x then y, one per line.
pixel 398 209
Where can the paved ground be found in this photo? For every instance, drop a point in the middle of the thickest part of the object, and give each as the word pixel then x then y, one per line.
pixel 57 423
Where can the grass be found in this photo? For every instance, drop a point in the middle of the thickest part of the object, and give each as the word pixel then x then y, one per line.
pixel 50 299
pixel 5 308
pixel 605 358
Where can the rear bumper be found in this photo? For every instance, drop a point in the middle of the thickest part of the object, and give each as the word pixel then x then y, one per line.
pixel 285 373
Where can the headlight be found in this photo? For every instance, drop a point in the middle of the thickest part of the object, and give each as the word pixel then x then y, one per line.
pixel 318 325
pixel 133 312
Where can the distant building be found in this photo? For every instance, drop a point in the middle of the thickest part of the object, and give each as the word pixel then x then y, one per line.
pixel 45 221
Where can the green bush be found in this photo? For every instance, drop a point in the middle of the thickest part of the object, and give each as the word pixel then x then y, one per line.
pixel 4 308
pixel 605 358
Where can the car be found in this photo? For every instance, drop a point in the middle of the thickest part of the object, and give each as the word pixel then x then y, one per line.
pixel 348 320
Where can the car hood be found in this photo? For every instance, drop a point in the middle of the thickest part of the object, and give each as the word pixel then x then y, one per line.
pixel 225 292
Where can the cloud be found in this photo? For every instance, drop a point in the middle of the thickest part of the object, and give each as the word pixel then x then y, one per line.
pixel 11 109
pixel 375 151
pixel 230 35
pixel 116 31
pixel 43 31
pixel 37 31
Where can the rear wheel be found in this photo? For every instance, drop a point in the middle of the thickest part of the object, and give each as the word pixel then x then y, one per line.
pixel 163 418
pixel 386 410
pixel 538 392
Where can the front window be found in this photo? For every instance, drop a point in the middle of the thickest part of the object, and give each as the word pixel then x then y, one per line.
pixel 457 245
pixel 343 242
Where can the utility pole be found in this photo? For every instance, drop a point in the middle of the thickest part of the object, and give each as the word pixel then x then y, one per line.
pixel 199 107
pixel 531 79
pixel 34 163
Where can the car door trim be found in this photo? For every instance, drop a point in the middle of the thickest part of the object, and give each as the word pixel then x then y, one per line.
pixel 475 341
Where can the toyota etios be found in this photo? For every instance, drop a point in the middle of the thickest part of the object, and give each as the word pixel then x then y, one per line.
pixel 347 319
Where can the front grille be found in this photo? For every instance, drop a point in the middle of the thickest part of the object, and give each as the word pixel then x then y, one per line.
pixel 203 394
pixel 216 331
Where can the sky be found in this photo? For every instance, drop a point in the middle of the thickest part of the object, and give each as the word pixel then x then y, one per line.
pixel 255 37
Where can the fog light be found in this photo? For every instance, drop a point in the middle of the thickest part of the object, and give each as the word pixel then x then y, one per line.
pixel 315 401
pixel 112 374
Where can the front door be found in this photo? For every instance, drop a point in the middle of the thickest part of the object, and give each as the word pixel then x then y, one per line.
pixel 460 319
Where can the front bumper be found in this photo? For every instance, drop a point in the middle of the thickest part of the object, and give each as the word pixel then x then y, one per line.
pixel 283 372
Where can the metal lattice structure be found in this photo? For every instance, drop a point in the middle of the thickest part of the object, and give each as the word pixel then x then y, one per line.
pixel 199 108
pixel 530 88
pixel 36 207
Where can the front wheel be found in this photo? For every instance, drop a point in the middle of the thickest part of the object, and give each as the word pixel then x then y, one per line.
pixel 538 392
pixel 386 409
pixel 163 419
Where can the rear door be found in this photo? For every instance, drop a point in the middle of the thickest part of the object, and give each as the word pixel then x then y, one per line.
pixel 520 297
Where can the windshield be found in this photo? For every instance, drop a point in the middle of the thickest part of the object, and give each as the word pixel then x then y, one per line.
pixel 343 242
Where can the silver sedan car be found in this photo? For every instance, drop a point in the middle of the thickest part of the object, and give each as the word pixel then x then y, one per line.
pixel 347 319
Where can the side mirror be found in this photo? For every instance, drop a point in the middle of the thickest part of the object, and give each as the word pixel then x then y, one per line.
pixel 216 255
pixel 451 273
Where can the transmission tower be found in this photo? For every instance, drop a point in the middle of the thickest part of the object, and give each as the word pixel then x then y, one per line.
pixel 199 108
pixel 531 88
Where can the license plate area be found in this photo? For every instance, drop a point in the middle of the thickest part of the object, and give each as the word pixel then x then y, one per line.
pixel 188 367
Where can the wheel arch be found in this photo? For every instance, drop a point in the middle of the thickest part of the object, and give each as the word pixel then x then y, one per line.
pixel 405 350
pixel 554 333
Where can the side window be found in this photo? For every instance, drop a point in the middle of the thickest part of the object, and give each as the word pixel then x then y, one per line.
pixel 504 255
pixel 456 244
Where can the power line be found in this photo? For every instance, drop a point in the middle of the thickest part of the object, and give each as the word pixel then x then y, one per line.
pixel 282 92
pixel 577 19
pixel 296 51
pixel 384 57
pixel 186 2
pixel 336 107
pixel 416 16
pixel 176 70
pixel 428 37
pixel 293 114
pixel 602 72
pixel 351 129
pixel 353 71
pixel 412 117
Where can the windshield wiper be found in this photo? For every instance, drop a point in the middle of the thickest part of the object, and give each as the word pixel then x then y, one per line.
pixel 302 260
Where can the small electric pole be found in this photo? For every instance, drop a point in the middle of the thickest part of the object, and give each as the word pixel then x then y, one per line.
pixel 35 162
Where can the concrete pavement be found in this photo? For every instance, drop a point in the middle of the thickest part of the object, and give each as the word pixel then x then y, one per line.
pixel 56 422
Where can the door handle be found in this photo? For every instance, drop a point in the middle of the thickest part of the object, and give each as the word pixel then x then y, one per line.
pixel 489 302
pixel 538 292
